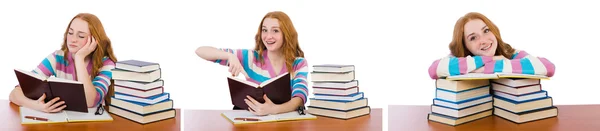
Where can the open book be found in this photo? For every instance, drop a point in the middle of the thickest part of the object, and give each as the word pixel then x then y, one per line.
pixel 477 76
pixel 30 116
pixel 251 118
pixel 278 89
pixel 71 92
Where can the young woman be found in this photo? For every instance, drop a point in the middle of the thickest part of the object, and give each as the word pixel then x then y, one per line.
pixel 86 56
pixel 276 52
pixel 477 47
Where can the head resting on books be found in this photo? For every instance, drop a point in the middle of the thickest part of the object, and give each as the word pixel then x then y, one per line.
pixel 476 35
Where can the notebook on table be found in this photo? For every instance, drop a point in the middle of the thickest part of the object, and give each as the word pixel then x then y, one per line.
pixel 246 117
pixel 30 116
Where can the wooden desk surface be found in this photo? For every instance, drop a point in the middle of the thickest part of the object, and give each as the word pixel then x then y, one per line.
pixel 211 120
pixel 11 121
pixel 570 118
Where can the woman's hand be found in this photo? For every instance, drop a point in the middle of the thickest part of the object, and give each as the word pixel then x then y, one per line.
pixel 51 106
pixel 88 48
pixel 235 67
pixel 261 109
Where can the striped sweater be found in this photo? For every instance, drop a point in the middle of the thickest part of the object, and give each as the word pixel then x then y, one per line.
pixel 520 63
pixel 257 72
pixel 56 65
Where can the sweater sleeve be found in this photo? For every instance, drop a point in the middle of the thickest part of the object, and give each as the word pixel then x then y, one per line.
pixel 299 79
pixel 522 63
pixel 451 66
pixel 101 82
pixel 48 65
pixel 240 53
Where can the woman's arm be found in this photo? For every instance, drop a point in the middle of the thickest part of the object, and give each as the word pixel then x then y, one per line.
pixel 451 66
pixel 299 87
pixel 523 63
pixel 227 57
pixel 84 77
pixel 96 89
pixel 46 68
pixel 214 54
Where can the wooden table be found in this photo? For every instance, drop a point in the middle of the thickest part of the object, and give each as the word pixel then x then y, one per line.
pixel 570 118
pixel 11 121
pixel 211 120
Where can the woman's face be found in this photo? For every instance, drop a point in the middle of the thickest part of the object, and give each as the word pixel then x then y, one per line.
pixel 479 40
pixel 271 34
pixel 77 35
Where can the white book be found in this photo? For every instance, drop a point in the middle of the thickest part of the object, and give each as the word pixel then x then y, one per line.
pixel 462 112
pixel 521 98
pixel 140 85
pixel 241 114
pixel 333 68
pixel 340 85
pixel 61 117
pixel 151 76
pixel 462 96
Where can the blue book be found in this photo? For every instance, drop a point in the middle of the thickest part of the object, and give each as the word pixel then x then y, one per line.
pixel 462 112
pixel 463 104
pixel 150 100
pixel 142 108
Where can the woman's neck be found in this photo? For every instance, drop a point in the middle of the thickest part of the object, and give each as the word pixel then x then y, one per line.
pixel 275 56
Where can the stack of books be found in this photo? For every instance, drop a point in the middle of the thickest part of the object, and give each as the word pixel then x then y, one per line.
pixel 336 93
pixel 522 100
pixel 461 101
pixel 139 92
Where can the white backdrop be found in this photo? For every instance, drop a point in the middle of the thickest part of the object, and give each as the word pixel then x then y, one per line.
pixel 392 43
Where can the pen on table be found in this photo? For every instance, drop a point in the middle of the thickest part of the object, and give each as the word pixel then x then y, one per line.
pixel 36 118
pixel 247 119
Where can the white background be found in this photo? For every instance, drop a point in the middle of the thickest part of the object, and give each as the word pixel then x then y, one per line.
pixel 392 43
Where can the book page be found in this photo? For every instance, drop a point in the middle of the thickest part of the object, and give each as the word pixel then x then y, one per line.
pixel 511 75
pixel 473 76
pixel 272 79
pixel 244 81
pixel 231 115
pixel 291 116
pixel 52 117
pixel 61 80
pixel 74 116
pixel 29 73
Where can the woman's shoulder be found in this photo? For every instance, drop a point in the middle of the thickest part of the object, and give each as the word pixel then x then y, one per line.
pixel 58 53
pixel 300 61
pixel 107 61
